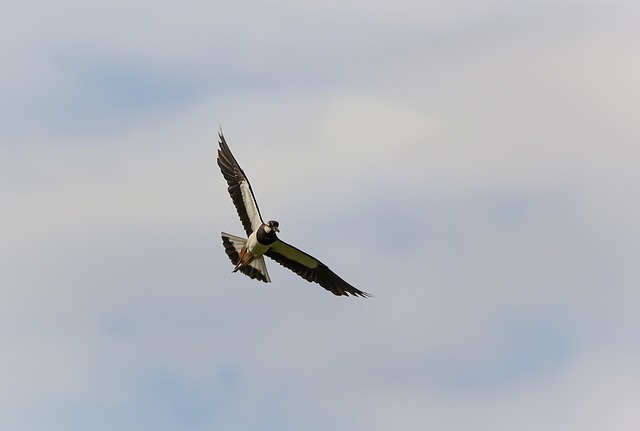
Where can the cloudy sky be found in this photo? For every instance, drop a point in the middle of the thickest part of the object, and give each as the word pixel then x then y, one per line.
pixel 474 165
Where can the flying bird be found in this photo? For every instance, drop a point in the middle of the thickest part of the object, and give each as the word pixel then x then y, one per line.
pixel 247 254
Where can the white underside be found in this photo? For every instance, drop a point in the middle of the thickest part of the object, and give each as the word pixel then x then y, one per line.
pixel 254 247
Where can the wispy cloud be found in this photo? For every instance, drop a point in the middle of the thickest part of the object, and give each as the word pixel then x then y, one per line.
pixel 472 165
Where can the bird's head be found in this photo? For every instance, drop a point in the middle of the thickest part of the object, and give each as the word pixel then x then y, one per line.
pixel 272 225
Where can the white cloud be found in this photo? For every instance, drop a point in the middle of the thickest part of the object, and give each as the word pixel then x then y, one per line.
pixel 470 166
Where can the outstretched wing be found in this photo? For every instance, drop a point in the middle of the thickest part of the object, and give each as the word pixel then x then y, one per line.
pixel 311 269
pixel 239 188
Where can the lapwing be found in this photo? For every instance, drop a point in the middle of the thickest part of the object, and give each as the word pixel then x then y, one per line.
pixel 247 254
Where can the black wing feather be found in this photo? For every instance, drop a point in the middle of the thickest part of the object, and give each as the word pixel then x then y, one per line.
pixel 234 175
pixel 311 269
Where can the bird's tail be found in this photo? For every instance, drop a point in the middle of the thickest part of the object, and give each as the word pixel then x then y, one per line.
pixel 256 269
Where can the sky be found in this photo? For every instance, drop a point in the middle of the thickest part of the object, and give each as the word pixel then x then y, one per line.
pixel 473 165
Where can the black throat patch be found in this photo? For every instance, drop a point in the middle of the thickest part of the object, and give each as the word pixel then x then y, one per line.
pixel 265 238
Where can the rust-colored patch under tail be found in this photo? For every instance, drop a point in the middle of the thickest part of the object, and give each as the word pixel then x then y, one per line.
pixel 244 259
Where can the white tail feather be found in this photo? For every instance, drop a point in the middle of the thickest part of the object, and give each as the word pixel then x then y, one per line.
pixel 258 263
pixel 237 241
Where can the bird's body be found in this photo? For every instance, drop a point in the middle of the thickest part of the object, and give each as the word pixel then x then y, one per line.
pixel 247 254
pixel 254 246
pixel 257 245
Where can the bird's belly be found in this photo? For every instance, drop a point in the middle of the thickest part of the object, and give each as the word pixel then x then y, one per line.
pixel 254 247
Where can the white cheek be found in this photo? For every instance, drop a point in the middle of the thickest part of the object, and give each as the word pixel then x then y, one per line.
pixel 267 229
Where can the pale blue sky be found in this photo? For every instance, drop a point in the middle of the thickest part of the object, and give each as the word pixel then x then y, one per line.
pixel 474 165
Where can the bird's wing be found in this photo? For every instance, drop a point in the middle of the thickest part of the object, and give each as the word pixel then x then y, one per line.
pixel 311 269
pixel 239 188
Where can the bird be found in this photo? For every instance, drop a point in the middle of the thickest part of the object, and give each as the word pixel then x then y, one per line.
pixel 247 254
